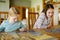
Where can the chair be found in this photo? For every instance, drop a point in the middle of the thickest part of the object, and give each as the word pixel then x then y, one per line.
pixel 3 16
pixel 32 16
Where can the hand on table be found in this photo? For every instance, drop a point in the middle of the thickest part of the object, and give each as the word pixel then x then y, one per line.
pixel 22 30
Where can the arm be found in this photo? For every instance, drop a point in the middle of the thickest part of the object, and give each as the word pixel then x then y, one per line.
pixel 39 21
pixel 22 28
pixel 50 25
pixel 15 27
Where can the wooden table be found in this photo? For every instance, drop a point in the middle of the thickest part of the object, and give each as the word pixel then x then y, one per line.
pixel 25 36
pixel 39 34
pixel 53 34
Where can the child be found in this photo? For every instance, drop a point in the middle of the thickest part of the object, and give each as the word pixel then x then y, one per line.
pixel 12 23
pixel 45 19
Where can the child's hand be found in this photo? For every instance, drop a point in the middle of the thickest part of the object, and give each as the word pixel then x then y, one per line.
pixel 21 30
pixel 50 27
pixel 36 27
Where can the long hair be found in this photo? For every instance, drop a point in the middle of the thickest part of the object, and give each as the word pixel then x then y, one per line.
pixel 47 6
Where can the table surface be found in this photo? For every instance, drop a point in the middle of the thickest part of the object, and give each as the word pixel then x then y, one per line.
pixel 38 34
pixel 28 36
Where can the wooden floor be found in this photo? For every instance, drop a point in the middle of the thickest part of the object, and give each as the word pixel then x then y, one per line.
pixel 40 35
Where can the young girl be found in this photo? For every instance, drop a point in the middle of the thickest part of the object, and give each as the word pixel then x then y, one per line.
pixel 12 23
pixel 45 19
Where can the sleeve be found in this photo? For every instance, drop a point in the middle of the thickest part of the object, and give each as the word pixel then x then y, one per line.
pixel 24 22
pixel 2 26
pixel 15 27
pixel 39 21
pixel 21 25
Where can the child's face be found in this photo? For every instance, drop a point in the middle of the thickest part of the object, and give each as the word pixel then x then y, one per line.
pixel 14 18
pixel 13 14
pixel 50 13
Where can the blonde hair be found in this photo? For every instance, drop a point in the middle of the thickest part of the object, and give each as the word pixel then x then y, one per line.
pixel 12 11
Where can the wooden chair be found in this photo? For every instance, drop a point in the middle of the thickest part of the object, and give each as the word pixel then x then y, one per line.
pixel 31 19
pixel 3 16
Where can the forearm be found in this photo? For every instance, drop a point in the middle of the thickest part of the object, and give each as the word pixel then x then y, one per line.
pixel 49 26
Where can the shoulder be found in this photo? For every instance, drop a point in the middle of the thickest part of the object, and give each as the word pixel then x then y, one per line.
pixel 42 15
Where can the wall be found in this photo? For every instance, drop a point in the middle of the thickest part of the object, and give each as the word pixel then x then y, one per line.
pixel 35 3
pixel 4 6
pixel 25 3
pixel 56 13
